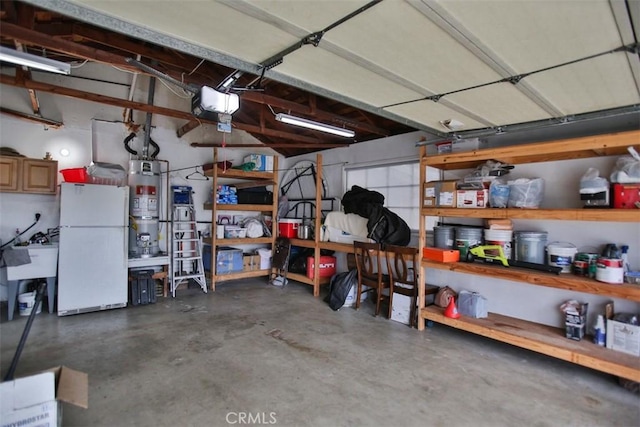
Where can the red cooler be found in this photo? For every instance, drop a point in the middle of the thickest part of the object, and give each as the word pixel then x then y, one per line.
pixel 289 227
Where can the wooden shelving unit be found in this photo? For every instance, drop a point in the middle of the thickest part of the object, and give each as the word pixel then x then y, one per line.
pixel 240 179
pixel 316 243
pixel 558 281
pixel 530 335
pixel 611 215
pixel 542 339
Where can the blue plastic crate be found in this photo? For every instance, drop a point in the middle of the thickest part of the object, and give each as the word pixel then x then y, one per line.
pixel 181 194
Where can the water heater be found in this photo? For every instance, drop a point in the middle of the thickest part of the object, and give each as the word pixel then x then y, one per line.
pixel 144 205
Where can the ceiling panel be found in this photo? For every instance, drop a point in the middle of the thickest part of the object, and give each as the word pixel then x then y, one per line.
pixel 598 84
pixel 311 16
pixel 499 104
pixel 431 113
pixel 394 36
pixel 529 35
pixel 208 24
pixel 325 69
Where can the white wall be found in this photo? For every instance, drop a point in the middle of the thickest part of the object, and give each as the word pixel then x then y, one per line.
pixel 534 303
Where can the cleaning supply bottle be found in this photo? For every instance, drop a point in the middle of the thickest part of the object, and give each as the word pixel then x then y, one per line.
pixel 17 241
pixel 625 260
pixel 599 335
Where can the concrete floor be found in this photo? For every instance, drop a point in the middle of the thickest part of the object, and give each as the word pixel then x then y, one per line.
pixel 285 358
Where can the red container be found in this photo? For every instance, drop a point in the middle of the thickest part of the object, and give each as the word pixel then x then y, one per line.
pixel 74 175
pixel 626 196
pixel 326 266
pixel 289 227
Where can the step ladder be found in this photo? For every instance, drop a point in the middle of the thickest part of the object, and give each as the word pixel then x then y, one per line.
pixel 187 246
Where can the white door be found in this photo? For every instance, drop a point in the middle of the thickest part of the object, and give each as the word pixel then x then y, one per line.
pixel 93 205
pixel 92 271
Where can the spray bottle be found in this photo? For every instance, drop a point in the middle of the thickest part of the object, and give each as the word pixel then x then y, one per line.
pixel 599 335
pixel 625 260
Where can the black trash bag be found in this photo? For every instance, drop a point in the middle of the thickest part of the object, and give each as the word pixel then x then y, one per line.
pixel 339 288
pixel 387 228
pixel 361 201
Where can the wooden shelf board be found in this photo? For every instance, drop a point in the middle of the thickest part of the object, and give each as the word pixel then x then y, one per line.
pixel 542 339
pixel 303 243
pixel 559 281
pixel 612 215
pixel 239 207
pixel 241 275
pixel 304 279
pixel 338 247
pixel 245 241
pixel 586 147
pixel 240 174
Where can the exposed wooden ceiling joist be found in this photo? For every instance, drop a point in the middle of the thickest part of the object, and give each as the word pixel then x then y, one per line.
pixel 68 39
pixel 139 106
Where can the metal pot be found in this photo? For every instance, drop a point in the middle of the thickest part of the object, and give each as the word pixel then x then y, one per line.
pixel 304 232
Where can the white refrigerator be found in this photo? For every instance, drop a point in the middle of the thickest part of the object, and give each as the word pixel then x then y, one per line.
pixel 93 248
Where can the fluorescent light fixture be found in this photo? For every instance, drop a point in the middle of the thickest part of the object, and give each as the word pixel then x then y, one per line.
pixel 310 124
pixel 229 81
pixel 33 61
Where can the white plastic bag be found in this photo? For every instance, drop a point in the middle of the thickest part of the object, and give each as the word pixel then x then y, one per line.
pixel 498 194
pixel 627 169
pixel 526 193
pixel 592 183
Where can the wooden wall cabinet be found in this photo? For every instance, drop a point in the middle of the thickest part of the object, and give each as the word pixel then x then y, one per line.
pixel 24 175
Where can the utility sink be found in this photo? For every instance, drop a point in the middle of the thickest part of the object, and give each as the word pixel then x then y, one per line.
pixel 44 265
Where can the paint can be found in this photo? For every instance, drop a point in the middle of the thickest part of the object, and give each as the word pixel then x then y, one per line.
pixel 529 246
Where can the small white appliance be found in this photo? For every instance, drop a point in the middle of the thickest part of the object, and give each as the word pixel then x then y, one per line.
pixel 93 248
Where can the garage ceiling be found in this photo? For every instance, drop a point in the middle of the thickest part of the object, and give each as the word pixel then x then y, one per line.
pixel 489 65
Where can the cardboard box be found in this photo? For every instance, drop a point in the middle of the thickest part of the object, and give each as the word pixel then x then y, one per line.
pixel 472 198
pixel 262 162
pixel 458 145
pixel 575 321
pixel 623 337
pixel 440 194
pixel 36 400
pixel 441 255
pixel 250 262
pixel 401 309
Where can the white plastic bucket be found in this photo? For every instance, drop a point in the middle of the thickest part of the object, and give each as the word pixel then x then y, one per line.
pixel 560 254
pixel 500 238
pixel 26 303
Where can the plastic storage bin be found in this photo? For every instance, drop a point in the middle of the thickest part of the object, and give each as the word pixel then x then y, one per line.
pixel 74 175
pixel 228 260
